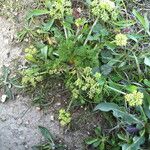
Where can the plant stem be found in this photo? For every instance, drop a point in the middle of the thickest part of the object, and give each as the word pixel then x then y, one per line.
pixel 116 90
pixel 137 63
pixel 65 31
pixel 95 22
pixel 70 103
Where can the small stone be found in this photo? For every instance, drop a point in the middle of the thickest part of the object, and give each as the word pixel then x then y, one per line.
pixel 52 118
pixel 27 122
pixel 58 104
pixel 26 146
pixel 3 118
pixel 3 98
pixel 19 121
pixel 26 40
pixel 38 108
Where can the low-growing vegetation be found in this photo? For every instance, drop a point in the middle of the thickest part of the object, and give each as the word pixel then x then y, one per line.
pixel 100 50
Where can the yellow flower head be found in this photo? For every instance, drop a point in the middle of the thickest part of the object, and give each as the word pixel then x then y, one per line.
pixel 64 117
pixel 121 39
pixel 104 9
pixel 97 76
pixel 107 5
pixel 135 98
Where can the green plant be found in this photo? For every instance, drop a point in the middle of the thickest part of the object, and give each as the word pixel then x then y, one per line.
pixel 64 117
pixel 7 83
pixel 99 141
pixel 86 86
pixel 50 143
pixel 103 56
pixel 105 9
pixel 135 127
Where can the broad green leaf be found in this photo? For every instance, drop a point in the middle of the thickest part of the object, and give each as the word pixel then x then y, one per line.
pixel 117 112
pixel 36 12
pixel 100 30
pixel 47 135
pixel 44 52
pixel 143 20
pixel 131 88
pixel 132 38
pixel 97 143
pixel 106 55
pixel 137 142
pixel 146 103
pixel 147 61
pixel 135 37
pixel 106 69
pixel 147 82
pixel 106 107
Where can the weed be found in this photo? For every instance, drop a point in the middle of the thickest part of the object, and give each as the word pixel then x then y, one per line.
pixel 7 83
pixel 102 57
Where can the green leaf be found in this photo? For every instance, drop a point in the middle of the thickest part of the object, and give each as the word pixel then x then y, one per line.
pixel 6 72
pixel 100 30
pixel 131 88
pixel 106 107
pixel 147 25
pixel 135 37
pixel 47 135
pixel 147 61
pixel 106 69
pixel 117 112
pixel 97 143
pixel 122 137
pixel 44 52
pixel 47 26
pixel 146 103
pixel 91 141
pixel 143 20
pixel 147 82
pixel 106 55
pixel 36 12
pixel 137 142
pixel 124 23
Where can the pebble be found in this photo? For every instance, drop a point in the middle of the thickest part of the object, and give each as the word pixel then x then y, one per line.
pixel 3 118
pixel 19 122
pixel 52 118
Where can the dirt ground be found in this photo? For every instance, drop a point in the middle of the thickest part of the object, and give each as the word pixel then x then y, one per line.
pixel 19 120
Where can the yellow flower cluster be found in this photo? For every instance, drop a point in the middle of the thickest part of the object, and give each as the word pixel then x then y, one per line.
pixel 64 117
pixel 87 83
pixel 80 22
pixel 60 8
pixel 107 5
pixel 31 50
pixel 56 71
pixel 121 39
pixel 31 76
pixel 30 54
pixel 135 98
pixel 106 9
